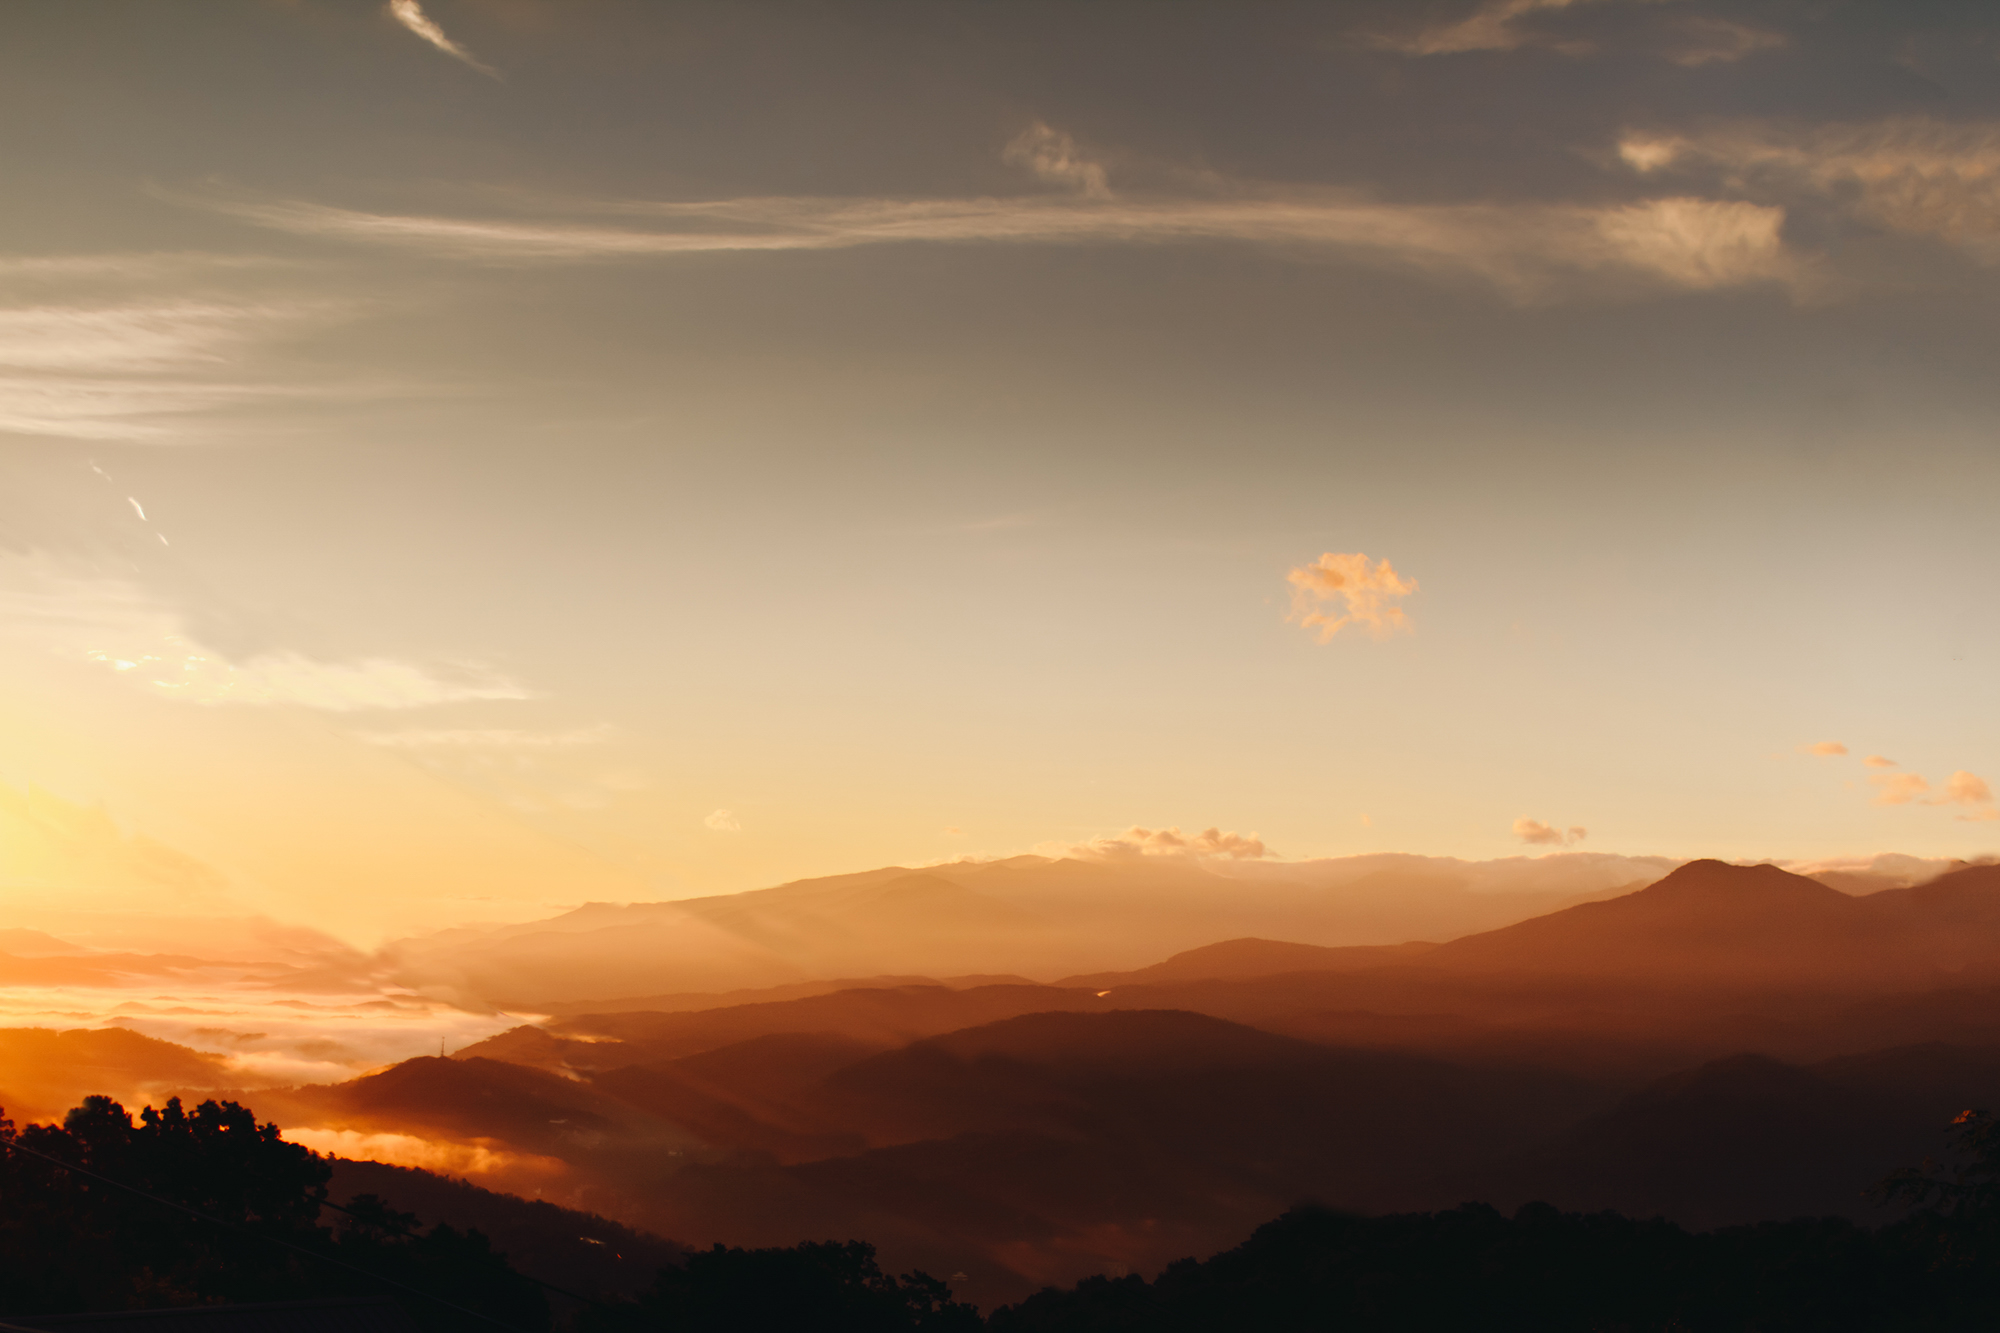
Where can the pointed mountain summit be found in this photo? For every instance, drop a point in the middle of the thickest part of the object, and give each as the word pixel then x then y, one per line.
pixel 1713 923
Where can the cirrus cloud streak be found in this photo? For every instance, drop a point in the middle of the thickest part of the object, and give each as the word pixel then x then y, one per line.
pixel 1529 251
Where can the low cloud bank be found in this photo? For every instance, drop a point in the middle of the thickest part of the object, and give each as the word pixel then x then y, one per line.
pixel 1535 832
pixel 1137 842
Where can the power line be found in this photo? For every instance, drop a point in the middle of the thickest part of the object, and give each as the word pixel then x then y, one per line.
pixel 73 1169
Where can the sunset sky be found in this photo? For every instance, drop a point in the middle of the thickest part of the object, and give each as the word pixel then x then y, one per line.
pixel 467 459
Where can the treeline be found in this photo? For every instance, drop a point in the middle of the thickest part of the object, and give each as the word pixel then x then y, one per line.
pixel 94 1216
pixel 104 1236
pixel 1935 1268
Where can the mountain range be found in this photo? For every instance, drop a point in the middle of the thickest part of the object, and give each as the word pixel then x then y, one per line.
pixel 1723 1044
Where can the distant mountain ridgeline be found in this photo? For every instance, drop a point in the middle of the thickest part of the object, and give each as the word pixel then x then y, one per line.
pixel 1027 916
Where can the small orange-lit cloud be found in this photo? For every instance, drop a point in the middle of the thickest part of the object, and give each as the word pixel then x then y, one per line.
pixel 1136 841
pixel 1898 788
pixel 722 821
pixel 1825 749
pixel 1366 594
pixel 1968 789
pixel 1535 832
pixel 1879 761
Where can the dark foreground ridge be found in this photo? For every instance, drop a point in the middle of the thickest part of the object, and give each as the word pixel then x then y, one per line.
pixel 100 1214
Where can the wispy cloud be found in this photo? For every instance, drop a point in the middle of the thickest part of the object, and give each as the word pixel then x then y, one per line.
pixel 1536 833
pixel 1710 40
pixel 489 738
pixel 1879 761
pixel 1531 251
pixel 411 15
pixel 1494 26
pixel 1366 594
pixel 114 626
pixel 1824 749
pixel 1137 842
pixel 1054 156
pixel 1914 175
pixel 1511 25
pixel 1898 788
pixel 344 687
pixel 119 370
pixel 722 821
pixel 128 338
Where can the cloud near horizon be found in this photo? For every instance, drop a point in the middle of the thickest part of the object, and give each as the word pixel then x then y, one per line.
pixel 1536 833
pixel 488 738
pixel 1137 842
pixel 1366 594
pixel 1968 789
pixel 1824 749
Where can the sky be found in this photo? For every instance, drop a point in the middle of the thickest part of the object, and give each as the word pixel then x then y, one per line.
pixel 466 458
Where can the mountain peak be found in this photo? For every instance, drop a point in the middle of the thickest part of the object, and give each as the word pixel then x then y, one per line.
pixel 1710 878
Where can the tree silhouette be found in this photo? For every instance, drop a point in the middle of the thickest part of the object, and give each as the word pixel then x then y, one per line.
pixel 827 1286
pixel 72 1240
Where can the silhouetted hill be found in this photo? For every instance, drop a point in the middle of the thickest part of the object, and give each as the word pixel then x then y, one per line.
pixel 683 1001
pixel 583 1252
pixel 1735 1140
pixel 884 1016
pixel 777 1067
pixel 1705 922
pixel 1751 927
pixel 541 1132
pixel 740 1096
pixel 18 942
pixel 1750 1138
pixel 1212 1088
pixel 1470 1267
pixel 1033 1147
pixel 45 1070
pixel 1255 958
